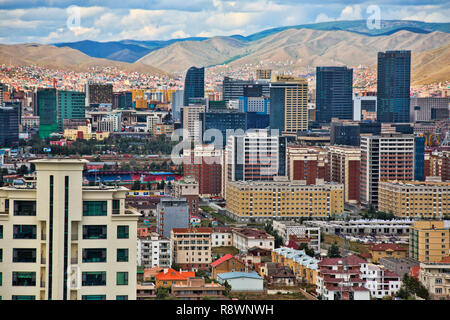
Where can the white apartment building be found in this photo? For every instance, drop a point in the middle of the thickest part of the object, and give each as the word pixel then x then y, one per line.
pixel 380 281
pixel 244 239
pixel 222 236
pixel 287 228
pixel 60 240
pixel 154 251
pixel 192 123
pixel 436 278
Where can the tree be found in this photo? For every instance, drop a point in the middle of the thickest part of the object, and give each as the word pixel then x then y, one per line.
pixel 310 252
pixel 22 170
pixel 162 293
pixel 333 251
pixel 227 286
pixel 412 287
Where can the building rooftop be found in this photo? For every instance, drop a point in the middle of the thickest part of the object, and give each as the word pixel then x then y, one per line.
pixel 387 246
pixel 235 275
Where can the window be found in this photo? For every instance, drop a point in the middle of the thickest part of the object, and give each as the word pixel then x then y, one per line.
pixel 24 231
pixel 23 297
pixel 116 207
pixel 24 279
pixel 1 232
pixel 24 208
pixel 94 278
pixel 122 278
pixel 94 297
pixel 122 255
pixel 24 255
pixel 122 232
pixel 94 232
pixel 94 208
pixel 121 297
pixel 1 255
pixel 94 255
pixel 1 278
pixel 439 280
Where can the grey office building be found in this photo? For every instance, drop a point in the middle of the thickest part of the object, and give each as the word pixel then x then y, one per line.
pixel 171 213
pixel 429 109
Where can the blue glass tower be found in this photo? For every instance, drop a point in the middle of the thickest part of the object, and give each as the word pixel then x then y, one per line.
pixel 393 86
pixel 334 93
pixel 194 84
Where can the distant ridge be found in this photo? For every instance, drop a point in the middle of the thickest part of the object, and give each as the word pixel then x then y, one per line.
pixel 133 50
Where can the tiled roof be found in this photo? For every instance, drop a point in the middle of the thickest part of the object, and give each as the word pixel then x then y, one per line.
pixel 350 260
pixel 221 260
pixel 387 246
pixel 192 230
pixel 172 274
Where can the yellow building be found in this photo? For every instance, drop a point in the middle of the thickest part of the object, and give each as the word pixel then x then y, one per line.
pixel 303 266
pixel 85 132
pixel 284 199
pixel 429 240
pixel 387 250
pixel 418 199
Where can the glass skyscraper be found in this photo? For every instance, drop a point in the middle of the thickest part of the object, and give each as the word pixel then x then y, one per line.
pixel 47 111
pixel 71 105
pixel 334 93
pixel 194 84
pixel 393 86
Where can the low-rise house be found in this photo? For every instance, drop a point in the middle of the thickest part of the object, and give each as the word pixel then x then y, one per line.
pixel 400 266
pixel 227 263
pixel 242 281
pixel 339 279
pixel 277 274
pixel 298 233
pixel 304 267
pixel 149 274
pixel 436 278
pixel 167 277
pixel 380 281
pixel 196 289
pixel 145 291
pixel 384 250
pixel 246 238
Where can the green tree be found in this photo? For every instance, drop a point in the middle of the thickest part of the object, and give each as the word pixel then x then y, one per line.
pixel 333 251
pixel 162 293
pixel 227 290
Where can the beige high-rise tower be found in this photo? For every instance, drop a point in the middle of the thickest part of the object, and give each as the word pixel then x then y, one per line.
pixel 61 240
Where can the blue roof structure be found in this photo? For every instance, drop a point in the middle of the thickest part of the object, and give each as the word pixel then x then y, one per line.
pixel 234 275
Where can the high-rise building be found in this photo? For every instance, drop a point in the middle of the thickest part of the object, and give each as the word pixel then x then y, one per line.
pixel 364 107
pixel 263 74
pixel 255 155
pixel 343 166
pixel 191 121
pixel 66 241
pixel 204 163
pixel 429 108
pixel 393 86
pixel 429 240
pixel 47 111
pixel 196 255
pixel 9 126
pixel 307 163
pixel 334 93
pixel 233 89
pixel 288 105
pixel 225 121
pixel 70 106
pixel 171 213
pixel 388 156
pixel 177 104
pixel 194 84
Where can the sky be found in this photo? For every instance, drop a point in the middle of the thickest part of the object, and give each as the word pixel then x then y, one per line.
pixel 53 21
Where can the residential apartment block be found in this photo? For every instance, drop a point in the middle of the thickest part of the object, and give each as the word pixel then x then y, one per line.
pixel 246 238
pixel 309 235
pixel 283 199
pixel 379 281
pixel 61 240
pixel 191 247
pixel 436 278
pixel 417 199
pixel 429 240
pixel 154 251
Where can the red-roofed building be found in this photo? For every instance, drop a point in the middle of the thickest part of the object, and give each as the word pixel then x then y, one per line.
pixel 387 250
pixel 414 272
pixel 246 238
pixel 227 263
pixel 170 276
pixel 340 279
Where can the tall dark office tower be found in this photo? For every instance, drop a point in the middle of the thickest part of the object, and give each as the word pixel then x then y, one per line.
pixel 9 126
pixel 334 93
pixel 222 120
pixel 194 84
pixel 47 111
pixel 393 86
pixel 233 89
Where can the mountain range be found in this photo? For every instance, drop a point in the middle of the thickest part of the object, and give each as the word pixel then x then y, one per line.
pixel 292 48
